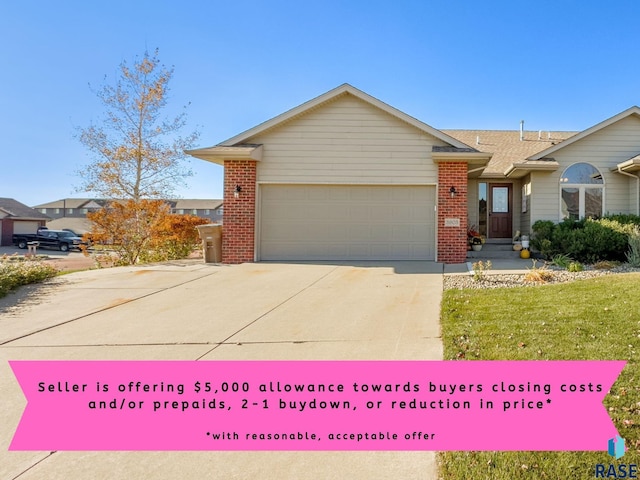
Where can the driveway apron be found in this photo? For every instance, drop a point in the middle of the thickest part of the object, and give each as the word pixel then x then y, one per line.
pixel 195 311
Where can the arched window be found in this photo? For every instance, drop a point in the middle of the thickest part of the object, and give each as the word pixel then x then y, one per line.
pixel 581 192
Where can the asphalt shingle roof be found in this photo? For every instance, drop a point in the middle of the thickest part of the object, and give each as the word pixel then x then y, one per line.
pixel 506 146
pixel 19 210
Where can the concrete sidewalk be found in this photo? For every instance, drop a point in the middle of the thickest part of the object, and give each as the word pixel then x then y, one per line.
pixel 498 266
pixel 376 311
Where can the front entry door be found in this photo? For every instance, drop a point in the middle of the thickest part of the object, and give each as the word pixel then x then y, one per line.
pixel 500 212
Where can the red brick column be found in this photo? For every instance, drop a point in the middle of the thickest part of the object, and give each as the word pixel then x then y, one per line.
pixel 452 240
pixel 238 231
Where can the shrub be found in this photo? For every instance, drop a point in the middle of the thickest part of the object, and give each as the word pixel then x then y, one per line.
pixel 538 274
pixel 633 255
pixel 624 218
pixel 144 231
pixel 586 240
pixel 542 230
pixel 575 267
pixel 176 237
pixel 561 260
pixel 479 268
pixel 15 274
pixel 605 265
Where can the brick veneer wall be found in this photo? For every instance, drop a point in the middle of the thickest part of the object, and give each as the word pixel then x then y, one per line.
pixel 452 241
pixel 239 217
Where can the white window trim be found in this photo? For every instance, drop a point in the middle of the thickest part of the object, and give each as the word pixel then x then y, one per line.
pixel 581 188
pixel 581 203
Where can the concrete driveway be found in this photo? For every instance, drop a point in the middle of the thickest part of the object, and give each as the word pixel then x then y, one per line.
pixel 193 311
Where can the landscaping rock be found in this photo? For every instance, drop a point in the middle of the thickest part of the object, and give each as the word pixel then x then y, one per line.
pixel 496 280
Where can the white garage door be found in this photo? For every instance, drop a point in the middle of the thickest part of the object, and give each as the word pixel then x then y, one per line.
pixel 25 226
pixel 320 222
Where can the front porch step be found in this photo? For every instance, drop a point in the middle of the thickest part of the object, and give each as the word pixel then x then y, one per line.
pixel 494 251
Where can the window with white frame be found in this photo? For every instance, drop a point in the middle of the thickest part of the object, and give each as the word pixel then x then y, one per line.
pixel 581 192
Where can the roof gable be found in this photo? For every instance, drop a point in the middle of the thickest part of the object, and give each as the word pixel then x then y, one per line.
pixel 15 209
pixel 585 133
pixel 329 96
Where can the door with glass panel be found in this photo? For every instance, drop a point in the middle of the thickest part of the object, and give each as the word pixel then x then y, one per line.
pixel 500 210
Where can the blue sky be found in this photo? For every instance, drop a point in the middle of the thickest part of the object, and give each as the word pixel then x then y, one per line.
pixel 452 64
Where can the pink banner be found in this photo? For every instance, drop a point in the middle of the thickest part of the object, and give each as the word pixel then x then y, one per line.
pixel 314 405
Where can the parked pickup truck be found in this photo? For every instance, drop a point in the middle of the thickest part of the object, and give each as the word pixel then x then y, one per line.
pixel 59 239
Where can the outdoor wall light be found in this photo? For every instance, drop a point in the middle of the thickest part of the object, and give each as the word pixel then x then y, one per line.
pixel 237 190
pixel 452 192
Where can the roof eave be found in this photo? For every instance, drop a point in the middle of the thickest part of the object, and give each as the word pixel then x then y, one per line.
pixel 629 166
pixel 480 159
pixel 519 170
pixel 219 153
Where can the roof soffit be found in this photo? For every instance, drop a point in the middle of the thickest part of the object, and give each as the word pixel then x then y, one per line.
pixel 219 153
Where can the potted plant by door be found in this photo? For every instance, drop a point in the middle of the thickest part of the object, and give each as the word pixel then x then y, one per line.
pixel 474 239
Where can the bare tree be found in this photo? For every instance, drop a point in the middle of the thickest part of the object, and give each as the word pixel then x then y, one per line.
pixel 138 153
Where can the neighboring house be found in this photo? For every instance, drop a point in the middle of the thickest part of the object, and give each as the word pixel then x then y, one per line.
pixel 65 210
pixel 348 177
pixel 71 207
pixel 16 217
pixel 77 225
pixel 203 208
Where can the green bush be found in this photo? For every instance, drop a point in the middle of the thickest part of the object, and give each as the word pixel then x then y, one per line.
pixel 562 261
pixel 542 230
pixel 624 218
pixel 15 274
pixel 575 267
pixel 633 255
pixel 586 240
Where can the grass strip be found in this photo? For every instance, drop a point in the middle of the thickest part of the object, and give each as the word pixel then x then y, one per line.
pixel 595 319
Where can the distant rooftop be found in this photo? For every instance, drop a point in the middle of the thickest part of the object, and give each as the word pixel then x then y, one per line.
pixel 13 208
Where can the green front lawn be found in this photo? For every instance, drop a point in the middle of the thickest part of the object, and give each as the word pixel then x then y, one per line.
pixel 597 319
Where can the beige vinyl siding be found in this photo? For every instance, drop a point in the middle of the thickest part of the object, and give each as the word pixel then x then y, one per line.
pixel 602 149
pixel 472 202
pixel 347 141
pixel 525 218
pixel 634 195
pixel 545 194
pixel 517 206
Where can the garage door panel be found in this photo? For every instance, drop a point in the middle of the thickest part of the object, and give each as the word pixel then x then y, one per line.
pixel 25 227
pixel 339 222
